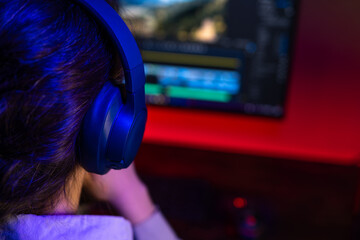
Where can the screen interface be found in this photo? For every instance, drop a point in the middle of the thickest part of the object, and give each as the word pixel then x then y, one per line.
pixel 230 55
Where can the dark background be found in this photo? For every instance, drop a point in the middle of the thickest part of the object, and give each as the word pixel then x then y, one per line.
pixel 294 200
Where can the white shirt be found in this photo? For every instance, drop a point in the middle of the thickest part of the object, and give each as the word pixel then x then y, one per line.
pixel 85 227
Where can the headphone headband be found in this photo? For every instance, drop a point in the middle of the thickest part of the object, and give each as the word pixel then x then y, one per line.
pixel 123 41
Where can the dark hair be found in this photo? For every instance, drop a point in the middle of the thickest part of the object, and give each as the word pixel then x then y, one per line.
pixel 54 59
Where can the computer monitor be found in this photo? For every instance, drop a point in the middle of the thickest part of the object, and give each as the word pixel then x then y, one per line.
pixel 231 55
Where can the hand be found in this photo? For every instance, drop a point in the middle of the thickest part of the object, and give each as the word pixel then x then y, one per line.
pixel 113 184
pixel 124 189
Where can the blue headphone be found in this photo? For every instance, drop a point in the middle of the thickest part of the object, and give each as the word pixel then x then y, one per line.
pixel 112 130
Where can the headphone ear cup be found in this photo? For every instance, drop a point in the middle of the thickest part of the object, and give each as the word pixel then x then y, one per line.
pixel 111 132
pixel 125 137
pixel 96 128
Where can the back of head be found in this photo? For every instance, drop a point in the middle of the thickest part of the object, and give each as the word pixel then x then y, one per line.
pixel 54 59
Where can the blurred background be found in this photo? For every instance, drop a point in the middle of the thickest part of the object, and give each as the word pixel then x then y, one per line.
pixel 253 127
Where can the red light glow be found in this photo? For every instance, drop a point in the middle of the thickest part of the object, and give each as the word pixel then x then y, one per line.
pixel 240 202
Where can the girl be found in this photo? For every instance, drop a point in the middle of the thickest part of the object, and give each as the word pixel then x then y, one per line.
pixel 54 59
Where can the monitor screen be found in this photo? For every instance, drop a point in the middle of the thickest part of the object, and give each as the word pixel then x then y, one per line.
pixel 230 55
